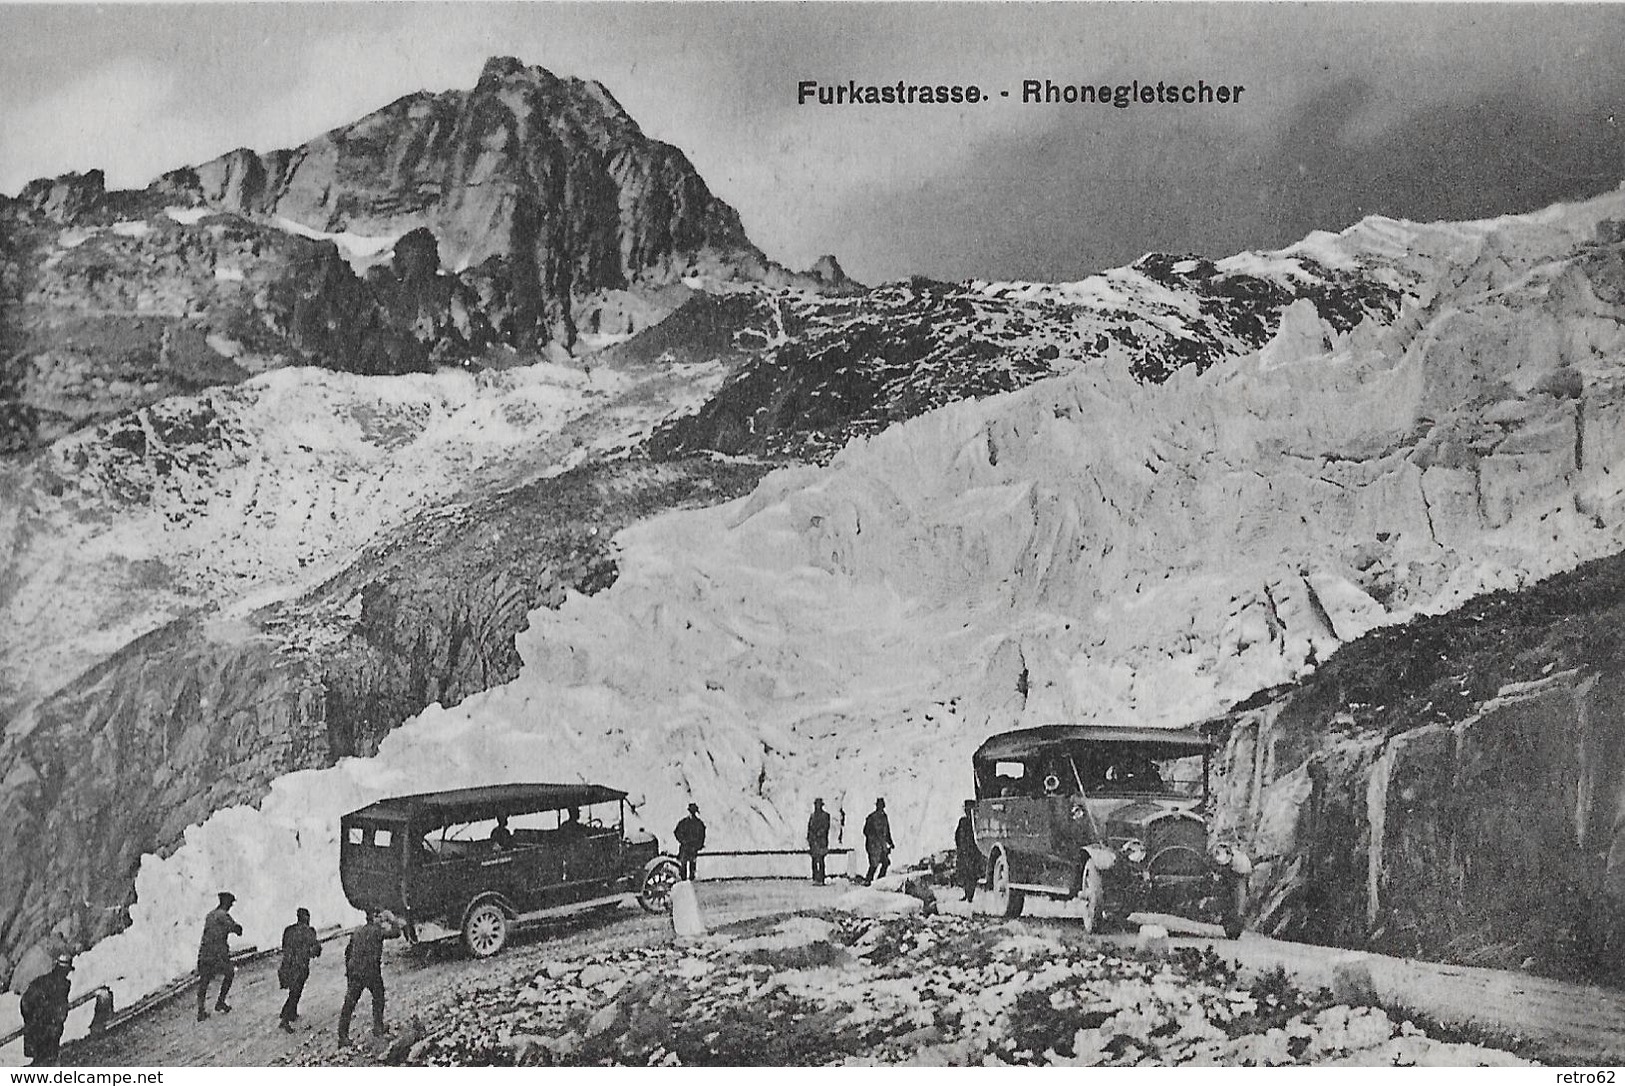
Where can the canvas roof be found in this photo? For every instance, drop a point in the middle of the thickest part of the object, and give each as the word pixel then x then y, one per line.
pixel 1027 741
pixel 486 801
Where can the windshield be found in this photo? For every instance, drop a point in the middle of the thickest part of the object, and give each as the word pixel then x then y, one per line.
pixel 1134 771
pixel 459 840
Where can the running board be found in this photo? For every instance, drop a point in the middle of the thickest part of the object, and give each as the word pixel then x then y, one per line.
pixel 1035 888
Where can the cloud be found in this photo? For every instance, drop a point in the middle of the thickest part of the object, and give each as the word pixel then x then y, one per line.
pixel 118 117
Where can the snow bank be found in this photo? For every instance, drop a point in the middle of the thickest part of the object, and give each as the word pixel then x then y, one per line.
pixel 360 251
pixel 188 216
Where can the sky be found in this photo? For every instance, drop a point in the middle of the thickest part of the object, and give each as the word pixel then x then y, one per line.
pixel 1411 110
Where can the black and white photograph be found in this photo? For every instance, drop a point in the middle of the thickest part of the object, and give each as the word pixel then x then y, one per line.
pixel 641 535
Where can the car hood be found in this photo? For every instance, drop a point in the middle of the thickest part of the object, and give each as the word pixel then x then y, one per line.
pixel 1134 817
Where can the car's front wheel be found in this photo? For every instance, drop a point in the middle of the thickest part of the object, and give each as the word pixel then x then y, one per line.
pixel 1001 898
pixel 485 929
pixel 1092 898
pixel 654 893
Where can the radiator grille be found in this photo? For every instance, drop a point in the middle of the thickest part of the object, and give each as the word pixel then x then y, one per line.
pixel 1177 846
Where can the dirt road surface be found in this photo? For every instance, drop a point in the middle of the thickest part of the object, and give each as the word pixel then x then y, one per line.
pixel 1549 1020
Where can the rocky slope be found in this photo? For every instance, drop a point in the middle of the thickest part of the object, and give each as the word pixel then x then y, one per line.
pixel 443 230
pixel 120 300
pixel 1454 787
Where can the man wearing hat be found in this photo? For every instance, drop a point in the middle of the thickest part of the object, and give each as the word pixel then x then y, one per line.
pixel 299 945
pixel 690 834
pixel 968 860
pixel 214 955
pixel 45 1012
pixel 818 839
pixel 877 842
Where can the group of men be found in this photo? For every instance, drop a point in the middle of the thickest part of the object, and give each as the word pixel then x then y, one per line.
pixel 363 964
pixel 877 841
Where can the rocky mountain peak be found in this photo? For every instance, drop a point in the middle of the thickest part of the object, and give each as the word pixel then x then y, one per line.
pixel 827 270
pixel 545 183
pixel 498 68
pixel 64 198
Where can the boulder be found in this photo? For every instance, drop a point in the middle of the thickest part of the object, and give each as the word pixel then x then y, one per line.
pixel 1352 982
pixel 1151 939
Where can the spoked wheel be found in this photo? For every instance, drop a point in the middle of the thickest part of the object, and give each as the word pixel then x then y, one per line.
pixel 485 931
pixel 658 879
pixel 1003 900
pixel 1092 897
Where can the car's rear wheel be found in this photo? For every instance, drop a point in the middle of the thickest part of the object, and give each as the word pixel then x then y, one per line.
pixel 1002 899
pixel 485 929
pixel 1092 897
pixel 654 894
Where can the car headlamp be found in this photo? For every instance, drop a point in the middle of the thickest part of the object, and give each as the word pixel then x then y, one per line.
pixel 1133 851
pixel 1079 812
pixel 1222 854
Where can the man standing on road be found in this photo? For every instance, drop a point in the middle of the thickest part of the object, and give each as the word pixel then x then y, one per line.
pixel 818 839
pixel 214 956
pixel 877 842
pixel 690 834
pixel 364 970
pixel 45 1012
pixel 967 857
pixel 299 945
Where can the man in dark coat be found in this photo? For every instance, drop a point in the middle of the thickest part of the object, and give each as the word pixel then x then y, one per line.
pixel 214 956
pixel 818 839
pixel 364 970
pixel 967 857
pixel 45 1012
pixel 690 834
pixel 299 945
pixel 877 842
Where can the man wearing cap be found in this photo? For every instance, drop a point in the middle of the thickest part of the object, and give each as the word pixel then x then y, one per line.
pixel 364 970
pixel 690 834
pixel 214 956
pixel 45 1012
pixel 299 945
pixel 818 839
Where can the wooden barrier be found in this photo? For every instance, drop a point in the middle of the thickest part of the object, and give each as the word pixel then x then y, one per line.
pixel 107 1018
pixel 754 869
